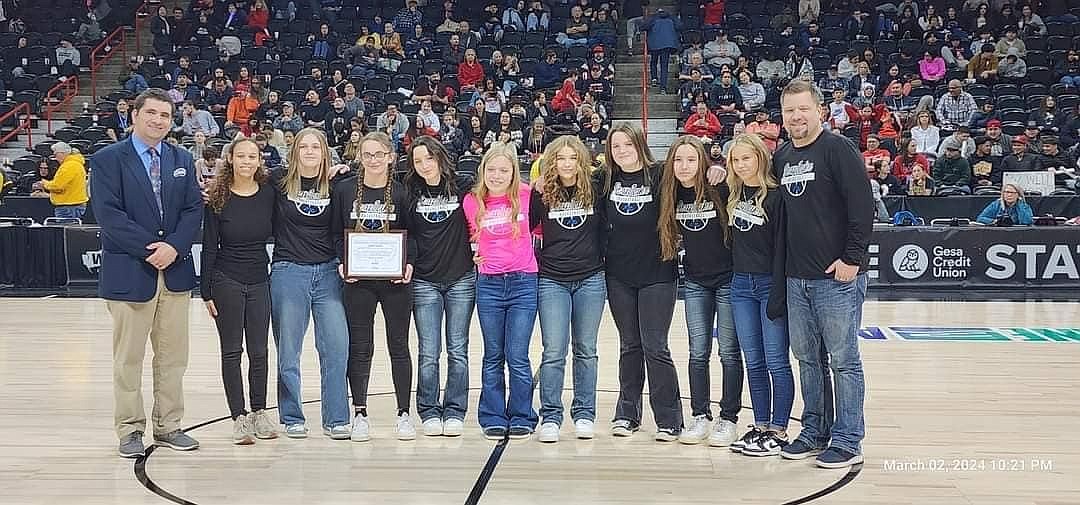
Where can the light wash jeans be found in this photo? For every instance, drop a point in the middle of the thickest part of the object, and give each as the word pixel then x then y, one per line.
pixel 431 302
pixel 570 309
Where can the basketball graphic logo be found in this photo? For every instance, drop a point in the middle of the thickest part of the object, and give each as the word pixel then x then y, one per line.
pixel 796 177
pixel 372 216
pixel 308 203
pixel 498 223
pixel 570 215
pixel 746 216
pixel 436 209
pixel 629 200
pixel 695 216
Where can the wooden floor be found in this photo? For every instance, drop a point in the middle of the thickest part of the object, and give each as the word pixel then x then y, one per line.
pixel 952 418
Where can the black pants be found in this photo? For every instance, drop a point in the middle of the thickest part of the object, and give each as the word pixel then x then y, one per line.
pixel 360 300
pixel 643 318
pixel 243 313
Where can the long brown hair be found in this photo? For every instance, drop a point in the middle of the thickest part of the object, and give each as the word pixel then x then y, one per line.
pixel 291 183
pixel 637 137
pixel 414 181
pixel 383 140
pixel 221 186
pixel 480 191
pixel 765 178
pixel 553 193
pixel 669 202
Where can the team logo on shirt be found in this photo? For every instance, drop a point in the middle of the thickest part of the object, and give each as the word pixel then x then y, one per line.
pixel 629 200
pixel 747 215
pixel 436 209
pixel 310 203
pixel 796 177
pixel 695 216
pixel 570 215
pixel 498 223
pixel 372 216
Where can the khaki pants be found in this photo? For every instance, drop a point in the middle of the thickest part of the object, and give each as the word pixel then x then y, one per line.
pixel 164 319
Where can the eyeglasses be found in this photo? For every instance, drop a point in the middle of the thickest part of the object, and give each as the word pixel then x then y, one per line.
pixel 376 156
pixel 1011 192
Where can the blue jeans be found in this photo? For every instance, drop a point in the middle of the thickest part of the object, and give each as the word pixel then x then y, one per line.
pixel 703 306
pixel 431 301
pixel 298 292
pixel 1072 81
pixel 69 211
pixel 824 316
pixel 506 304
pixel 764 344
pixel 570 308
pixel 658 66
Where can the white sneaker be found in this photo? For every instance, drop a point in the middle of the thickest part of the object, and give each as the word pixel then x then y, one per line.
pixel 549 432
pixel 433 427
pixel 296 431
pixel 697 431
pixel 723 434
pixel 339 432
pixel 405 429
pixel 243 433
pixel 584 429
pixel 361 429
pixel 453 427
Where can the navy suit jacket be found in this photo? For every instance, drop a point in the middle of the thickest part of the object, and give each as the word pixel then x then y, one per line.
pixel 127 212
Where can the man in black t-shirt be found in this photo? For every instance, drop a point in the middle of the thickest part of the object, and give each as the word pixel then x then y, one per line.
pixel 829 211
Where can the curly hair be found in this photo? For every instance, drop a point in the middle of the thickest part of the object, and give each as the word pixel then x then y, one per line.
pixel 221 187
pixel 552 187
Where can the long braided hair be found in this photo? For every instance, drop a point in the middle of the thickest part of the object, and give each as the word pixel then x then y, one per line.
pixel 383 140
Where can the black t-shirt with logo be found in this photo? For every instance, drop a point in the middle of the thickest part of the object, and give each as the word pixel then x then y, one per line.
pixel 302 225
pixel 758 243
pixel 573 235
pixel 373 213
pixel 707 258
pixel 828 205
pixel 442 236
pixel 633 242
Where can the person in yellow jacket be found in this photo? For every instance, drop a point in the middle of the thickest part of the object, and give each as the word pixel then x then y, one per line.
pixel 67 188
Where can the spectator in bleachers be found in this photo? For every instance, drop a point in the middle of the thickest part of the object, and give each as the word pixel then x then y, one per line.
pixel 118 123
pixel 1020 160
pixel 392 50
pixel 288 121
pixel 504 130
pixel 889 184
pixel 492 97
pixel 1012 69
pixel 538 17
pixel 417 128
pixel 763 127
pixel 577 30
pixel 243 78
pixel 866 96
pixel 1011 207
pixel 983 68
pixel 351 149
pixel 419 45
pixel 132 80
pixel 985 167
pixel 540 107
pixel 593 134
pixel 1010 41
pixel 703 123
pixel 725 96
pixel 258 19
pixel 907 24
pixel 449 22
pixel 337 84
pixel 861 26
pixel 845 67
pixel 408 18
pixel 888 129
pixel 536 139
pixel 217 98
pixel 1032 134
pixel 590 100
pixel 1045 115
pixel 874 155
pixel 241 113
pixel 161 28
pixel 183 66
pixel 984 115
pixel 1056 159
pixel 314 110
pixel 513 16
pixel 271 108
pixel 908 156
pixel 961 139
pixel 840 112
pixel 429 117
pixel 809 11
pixel 1001 142
pixel 770 69
pixel 90 31
pixel 720 52
pixel 366 32
pixel 662 31
pixel 440 95
pixel 470 72
pixel 862 77
pixel 602 29
pixel 468 38
pixel 930 20
pixel 863 124
pixel 1069 128
pixel 1030 24
pixel 567 99
pixel 786 17
pixel 194 120
pixel 67 58
pixel 596 85
pixel 394 124
pixel 956 107
pixel 926 135
pixel 491 29
pixel 207 165
pixel 183 91
pixel 320 83
pixel 920 184
pixel 798 66
pixel 547 73
pixel 600 58
pixel 451 135
pixel 811 37
pixel 695 62
pixel 270 154
pixel 67 187
pixel 1068 69
pixel 363 59
pixel 954 54
pixel 932 68
pixel 752 93
pixel 20 55
pixel 219 75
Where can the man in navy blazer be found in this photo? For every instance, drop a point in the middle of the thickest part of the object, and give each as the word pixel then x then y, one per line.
pixel 148 203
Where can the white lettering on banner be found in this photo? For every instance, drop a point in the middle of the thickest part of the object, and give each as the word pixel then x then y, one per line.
pixel 1041 181
pixel 911 262
pixel 1059 262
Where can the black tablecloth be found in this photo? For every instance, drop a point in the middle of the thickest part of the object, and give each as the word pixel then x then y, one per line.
pixel 32 257
pixel 934 207
pixel 34 207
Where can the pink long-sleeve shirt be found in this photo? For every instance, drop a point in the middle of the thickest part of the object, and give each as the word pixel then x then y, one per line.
pixel 932 70
pixel 493 235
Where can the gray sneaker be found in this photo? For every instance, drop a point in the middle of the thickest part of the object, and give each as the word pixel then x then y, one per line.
pixel 131 446
pixel 177 441
pixel 243 432
pixel 265 428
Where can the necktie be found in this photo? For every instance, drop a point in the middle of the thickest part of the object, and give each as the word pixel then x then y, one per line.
pixel 155 177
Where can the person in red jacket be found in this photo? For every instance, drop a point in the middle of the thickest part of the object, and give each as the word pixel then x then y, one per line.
pixel 470 72
pixel 567 99
pixel 258 20
pixel 907 156
pixel 713 13
pixel 703 123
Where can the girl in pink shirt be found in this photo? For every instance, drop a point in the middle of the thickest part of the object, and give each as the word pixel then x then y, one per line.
pixel 506 292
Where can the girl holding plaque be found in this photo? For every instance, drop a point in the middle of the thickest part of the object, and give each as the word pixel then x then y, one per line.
pixel 506 291
pixel 443 285
pixel 759 293
pixel 372 202
pixel 694 211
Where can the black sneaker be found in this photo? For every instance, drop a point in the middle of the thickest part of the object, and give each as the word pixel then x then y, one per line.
pixel 495 433
pixel 748 438
pixel 835 457
pixel 799 449
pixel 667 434
pixel 520 432
pixel 768 444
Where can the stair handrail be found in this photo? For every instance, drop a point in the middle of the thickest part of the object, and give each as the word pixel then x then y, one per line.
pixel 106 49
pixel 645 86
pixel 70 87
pixel 24 123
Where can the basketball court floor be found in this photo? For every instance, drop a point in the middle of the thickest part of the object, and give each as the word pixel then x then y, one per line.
pixel 967 403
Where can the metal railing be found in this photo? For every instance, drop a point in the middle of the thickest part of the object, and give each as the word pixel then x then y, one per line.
pixel 117 40
pixel 23 122
pixel 645 85
pixel 52 104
